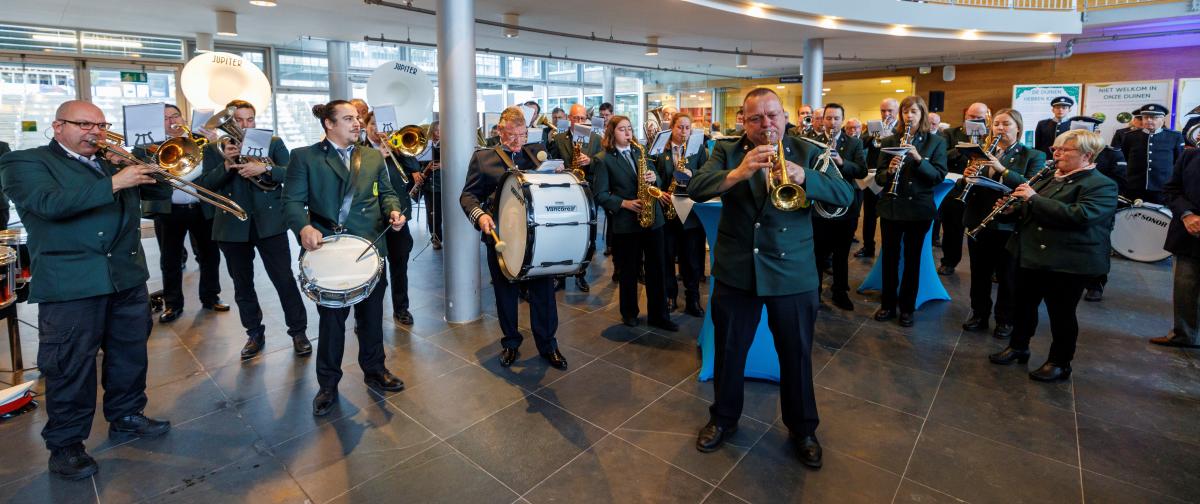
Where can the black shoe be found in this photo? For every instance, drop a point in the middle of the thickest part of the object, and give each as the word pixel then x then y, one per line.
pixel 301 345
pixel 976 323
pixel 253 346
pixel 841 300
pixel 712 436
pixel 1003 331
pixel 72 463
pixel 630 321
pixel 884 314
pixel 1171 342
pixel 1050 372
pixel 1094 295
pixel 404 317
pixel 607 251
pixel 218 306
pixel 1008 356
pixel 693 308
pixel 559 284
pixel 523 294
pixel 169 315
pixel 672 305
pixel 324 401
pixel 937 242
pixel 508 356
pixel 665 325
pixel 906 319
pixel 864 253
pixel 809 451
pixel 437 244
pixel 582 284
pixel 945 270
pixel 139 425
pixel 385 381
pixel 556 359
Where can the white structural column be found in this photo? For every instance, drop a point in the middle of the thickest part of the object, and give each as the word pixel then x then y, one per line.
pixel 610 86
pixel 338 52
pixel 456 86
pixel 814 67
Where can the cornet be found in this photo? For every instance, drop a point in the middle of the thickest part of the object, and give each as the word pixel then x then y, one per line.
pixel 785 195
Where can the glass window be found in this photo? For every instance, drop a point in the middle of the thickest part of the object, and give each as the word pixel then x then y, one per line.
pixel 593 101
pixel 628 100
pixel 33 38
pixel 561 96
pixel 31 92
pixel 524 68
pixel 369 55
pixel 297 126
pixel 111 94
pixel 256 56
pixel 593 74
pixel 487 65
pixel 424 57
pixel 303 70
pixel 135 46
pixel 562 71
pixel 489 97
pixel 521 93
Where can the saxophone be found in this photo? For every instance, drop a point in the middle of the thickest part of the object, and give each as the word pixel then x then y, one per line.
pixel 646 193
pixel 573 166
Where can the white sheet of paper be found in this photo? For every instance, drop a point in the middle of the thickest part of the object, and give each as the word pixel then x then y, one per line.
pixel 598 123
pixel 199 117
pixel 562 124
pixel 257 143
pixel 975 128
pixel 660 142
pixel 695 142
pixel 1083 125
pixel 535 135
pixel 528 112
pixel 581 130
pixel 551 166
pixel 385 118
pixel 953 177
pixel 427 155
pixel 144 124
pixel 874 126
pixel 869 182
pixel 683 206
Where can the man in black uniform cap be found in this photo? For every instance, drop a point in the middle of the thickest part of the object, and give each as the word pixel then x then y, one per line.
pixel 1049 129
pixel 1151 153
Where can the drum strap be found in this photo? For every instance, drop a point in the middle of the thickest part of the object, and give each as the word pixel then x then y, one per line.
pixel 505 157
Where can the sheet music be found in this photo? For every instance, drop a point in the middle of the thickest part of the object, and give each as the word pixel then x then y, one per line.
pixel 528 112
pixel 598 123
pixel 551 166
pixel 535 135
pixel 660 142
pixel 425 156
pixel 1083 125
pixel 199 117
pixel 694 142
pixel 144 123
pixel 975 128
pixel 874 127
pixel 385 119
pixel 562 124
pixel 257 143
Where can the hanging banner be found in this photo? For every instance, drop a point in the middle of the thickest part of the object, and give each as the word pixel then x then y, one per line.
pixel 1033 102
pixel 1187 99
pixel 1114 102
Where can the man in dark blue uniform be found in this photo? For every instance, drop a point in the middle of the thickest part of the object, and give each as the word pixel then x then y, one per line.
pixel 1049 129
pixel 1135 123
pixel 1151 153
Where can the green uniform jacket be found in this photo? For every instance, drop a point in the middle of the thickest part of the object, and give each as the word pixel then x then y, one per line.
pixel 1066 227
pixel 315 185
pixel 264 208
pixel 665 163
pixel 85 240
pixel 1022 163
pixel 914 199
pixel 561 147
pixel 760 248
pixel 616 181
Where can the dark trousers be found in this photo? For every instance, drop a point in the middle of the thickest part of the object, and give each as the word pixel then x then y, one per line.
pixel 685 246
pixel 833 236
pixel 177 225
pixel 1061 292
pixel 543 308
pixel 736 314
pixel 70 333
pixel 869 218
pixel 894 233
pixel 331 339
pixel 951 213
pixel 433 208
pixel 629 252
pixel 277 260
pixel 399 246
pixel 990 257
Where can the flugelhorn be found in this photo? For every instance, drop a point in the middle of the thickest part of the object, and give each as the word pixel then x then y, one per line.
pixel 785 195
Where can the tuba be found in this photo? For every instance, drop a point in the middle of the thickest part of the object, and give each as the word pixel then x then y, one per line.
pixel 405 88
pixel 785 195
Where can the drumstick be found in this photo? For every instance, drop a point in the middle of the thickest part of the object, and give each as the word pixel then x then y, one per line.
pixel 499 243
pixel 372 244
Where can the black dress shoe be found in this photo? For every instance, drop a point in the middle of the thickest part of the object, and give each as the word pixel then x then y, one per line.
pixel 582 284
pixel 437 244
pixel 842 301
pixel 170 315
pixel 253 346
pixel 324 401
pixel 404 317
pixel 1008 356
pixel 672 305
pixel 630 321
pixel 937 242
pixel 556 359
pixel 1094 295
pixel 301 346
pixel 945 270
pixel 1050 372
pixel 217 306
pixel 139 425
pixel 607 251
pixel 665 325
pixel 1003 331
pixel 508 356
pixel 1171 342
pixel 884 314
pixel 385 381
pixel 906 319
pixel 864 252
pixel 72 463
pixel 809 451
pixel 976 323
pixel 712 436
pixel 693 308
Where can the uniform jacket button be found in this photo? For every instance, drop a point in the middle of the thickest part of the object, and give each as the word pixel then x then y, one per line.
pixel 109 254
pixel 755 250
pixel 1043 247
pixel 757 225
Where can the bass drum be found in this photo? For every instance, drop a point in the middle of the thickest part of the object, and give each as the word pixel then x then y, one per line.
pixel 1139 232
pixel 548 224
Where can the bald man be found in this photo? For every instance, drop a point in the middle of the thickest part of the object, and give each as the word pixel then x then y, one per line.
pixel 563 147
pixel 82 212
pixel 951 212
pixel 888 114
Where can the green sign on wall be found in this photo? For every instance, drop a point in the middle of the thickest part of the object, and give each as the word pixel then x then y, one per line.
pixel 137 77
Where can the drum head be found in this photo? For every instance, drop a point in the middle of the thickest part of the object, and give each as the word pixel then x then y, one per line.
pixel 512 224
pixel 1139 233
pixel 333 268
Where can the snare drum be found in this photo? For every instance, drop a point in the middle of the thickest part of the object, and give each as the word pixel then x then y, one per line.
pixel 548 224
pixel 331 276
pixel 17 239
pixel 8 280
pixel 1139 232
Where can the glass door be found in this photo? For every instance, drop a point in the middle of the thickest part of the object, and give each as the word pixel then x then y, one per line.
pixel 29 96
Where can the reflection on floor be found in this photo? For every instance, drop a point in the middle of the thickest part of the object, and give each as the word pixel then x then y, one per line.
pixel 908 415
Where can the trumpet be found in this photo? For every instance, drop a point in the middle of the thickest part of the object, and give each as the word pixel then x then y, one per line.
pixel 176 159
pixel 908 136
pixel 785 195
pixel 223 121
pixel 962 198
pixel 1010 200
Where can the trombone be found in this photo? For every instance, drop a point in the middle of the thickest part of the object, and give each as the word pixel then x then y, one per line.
pixel 785 195
pixel 176 159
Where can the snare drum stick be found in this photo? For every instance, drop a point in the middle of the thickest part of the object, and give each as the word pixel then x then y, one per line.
pixel 372 244
pixel 499 243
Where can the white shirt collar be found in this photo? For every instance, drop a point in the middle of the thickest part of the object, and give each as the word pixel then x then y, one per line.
pixel 76 155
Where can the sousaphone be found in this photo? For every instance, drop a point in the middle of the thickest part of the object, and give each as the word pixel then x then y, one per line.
pixel 407 89
pixel 211 80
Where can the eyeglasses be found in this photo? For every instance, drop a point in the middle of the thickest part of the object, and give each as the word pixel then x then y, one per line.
pixel 88 125
pixel 1063 149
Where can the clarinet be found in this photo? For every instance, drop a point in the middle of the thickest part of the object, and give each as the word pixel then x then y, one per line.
pixel 1010 200
pixel 908 135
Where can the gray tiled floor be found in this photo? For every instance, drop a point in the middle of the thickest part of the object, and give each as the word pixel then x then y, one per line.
pixel 908 415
